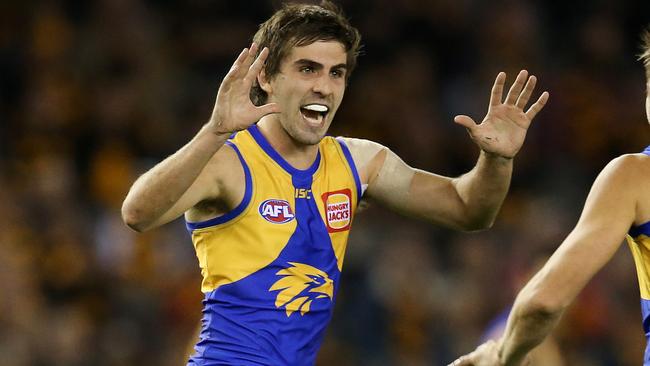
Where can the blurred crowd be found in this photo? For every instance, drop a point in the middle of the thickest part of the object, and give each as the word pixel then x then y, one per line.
pixel 93 93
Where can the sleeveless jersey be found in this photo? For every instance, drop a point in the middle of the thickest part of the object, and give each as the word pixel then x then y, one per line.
pixel 271 267
pixel 638 239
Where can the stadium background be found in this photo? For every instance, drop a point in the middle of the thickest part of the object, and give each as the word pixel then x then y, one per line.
pixel 92 93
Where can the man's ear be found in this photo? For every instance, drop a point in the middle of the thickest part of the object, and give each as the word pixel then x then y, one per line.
pixel 265 84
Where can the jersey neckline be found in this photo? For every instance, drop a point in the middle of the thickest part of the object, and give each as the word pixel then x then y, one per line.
pixel 275 156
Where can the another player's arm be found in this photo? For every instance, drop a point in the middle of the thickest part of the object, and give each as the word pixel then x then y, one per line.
pixel 609 212
pixel 202 168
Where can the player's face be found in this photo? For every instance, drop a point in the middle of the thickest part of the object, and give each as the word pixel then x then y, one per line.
pixel 309 89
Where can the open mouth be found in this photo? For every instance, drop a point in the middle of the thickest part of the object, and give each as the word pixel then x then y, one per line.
pixel 314 113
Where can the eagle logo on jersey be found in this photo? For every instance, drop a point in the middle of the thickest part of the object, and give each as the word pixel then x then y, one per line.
pixel 299 286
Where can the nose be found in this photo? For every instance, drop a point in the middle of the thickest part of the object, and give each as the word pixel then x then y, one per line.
pixel 322 86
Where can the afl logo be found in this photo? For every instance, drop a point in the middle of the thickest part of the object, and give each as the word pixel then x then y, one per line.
pixel 276 211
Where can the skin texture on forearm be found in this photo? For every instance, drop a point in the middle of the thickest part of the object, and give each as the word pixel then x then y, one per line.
pixel 527 328
pixel 469 202
pixel 609 212
pixel 483 189
pixel 158 190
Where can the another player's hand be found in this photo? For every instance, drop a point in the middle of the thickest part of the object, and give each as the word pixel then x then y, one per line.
pixel 503 129
pixel 234 110
pixel 486 354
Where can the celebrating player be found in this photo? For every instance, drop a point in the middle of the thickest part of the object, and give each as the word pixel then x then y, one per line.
pixel 269 199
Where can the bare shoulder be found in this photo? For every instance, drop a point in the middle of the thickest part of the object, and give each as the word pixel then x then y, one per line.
pixel 630 166
pixel 362 150
pixel 224 179
pixel 637 174
pixel 629 176
pixel 227 170
pixel 368 156
pixel 225 157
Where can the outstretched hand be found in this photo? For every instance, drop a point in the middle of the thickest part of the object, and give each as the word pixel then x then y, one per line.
pixel 504 128
pixel 486 354
pixel 234 110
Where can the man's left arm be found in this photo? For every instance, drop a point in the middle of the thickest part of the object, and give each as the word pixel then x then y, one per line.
pixel 499 136
pixel 471 201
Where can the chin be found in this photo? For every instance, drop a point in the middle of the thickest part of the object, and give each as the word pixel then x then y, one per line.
pixel 309 138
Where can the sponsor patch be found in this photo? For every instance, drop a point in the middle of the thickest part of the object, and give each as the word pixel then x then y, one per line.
pixel 276 211
pixel 338 212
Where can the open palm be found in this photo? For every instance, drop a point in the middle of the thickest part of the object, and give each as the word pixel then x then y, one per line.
pixel 503 130
pixel 234 110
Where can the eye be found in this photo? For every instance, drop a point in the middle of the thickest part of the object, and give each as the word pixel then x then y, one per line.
pixel 307 70
pixel 337 73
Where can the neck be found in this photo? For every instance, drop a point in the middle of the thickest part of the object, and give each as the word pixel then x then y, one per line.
pixel 300 156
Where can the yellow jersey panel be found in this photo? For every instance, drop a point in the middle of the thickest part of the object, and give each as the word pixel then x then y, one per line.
pixel 640 248
pixel 271 267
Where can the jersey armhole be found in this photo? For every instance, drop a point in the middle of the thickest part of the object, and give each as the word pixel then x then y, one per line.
pixel 353 168
pixel 641 229
pixel 248 193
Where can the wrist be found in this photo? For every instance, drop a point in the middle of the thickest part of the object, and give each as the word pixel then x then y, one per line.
pixel 497 157
pixel 212 137
pixel 215 127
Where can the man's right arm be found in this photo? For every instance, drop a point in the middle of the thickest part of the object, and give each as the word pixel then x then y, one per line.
pixel 202 168
pixel 176 184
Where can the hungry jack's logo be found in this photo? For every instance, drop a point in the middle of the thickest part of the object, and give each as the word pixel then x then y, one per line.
pixel 276 211
pixel 299 286
pixel 338 212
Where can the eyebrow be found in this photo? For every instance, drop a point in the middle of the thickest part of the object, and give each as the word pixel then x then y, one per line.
pixel 317 65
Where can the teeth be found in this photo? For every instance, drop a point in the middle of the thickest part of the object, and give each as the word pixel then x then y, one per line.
pixel 316 108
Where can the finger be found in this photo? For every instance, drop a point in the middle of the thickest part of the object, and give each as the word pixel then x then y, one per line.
pixel 236 66
pixel 528 91
pixel 250 57
pixel 465 121
pixel 462 361
pixel 267 109
pixel 537 106
pixel 246 61
pixel 497 89
pixel 256 67
pixel 516 87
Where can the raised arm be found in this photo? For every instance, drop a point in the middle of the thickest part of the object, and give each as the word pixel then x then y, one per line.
pixel 199 170
pixel 471 201
pixel 610 211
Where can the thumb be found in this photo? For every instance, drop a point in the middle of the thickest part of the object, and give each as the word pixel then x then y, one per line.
pixel 465 121
pixel 462 361
pixel 268 109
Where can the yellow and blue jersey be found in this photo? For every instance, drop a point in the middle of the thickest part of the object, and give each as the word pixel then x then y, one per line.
pixel 638 239
pixel 271 267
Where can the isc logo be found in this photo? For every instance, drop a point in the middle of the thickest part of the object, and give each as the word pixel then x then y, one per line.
pixel 276 211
